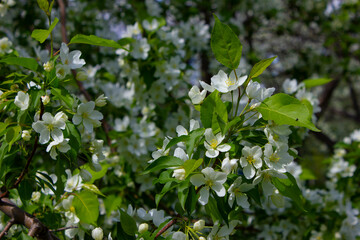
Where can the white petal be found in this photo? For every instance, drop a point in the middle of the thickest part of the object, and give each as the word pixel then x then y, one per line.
pixel 249 171
pixel 197 180
pixel 57 135
pixel 88 124
pixel 76 119
pixel 224 147
pixel 204 196
pixel 212 153
pixel 242 201
pixel 219 189
pixel 96 115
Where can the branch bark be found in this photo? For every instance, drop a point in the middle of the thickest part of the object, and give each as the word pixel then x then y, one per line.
pixel 18 216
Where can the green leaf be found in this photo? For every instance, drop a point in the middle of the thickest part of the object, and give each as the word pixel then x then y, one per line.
pixel 314 82
pixel 42 34
pixel 12 135
pixel 289 188
pixel 92 188
pixel 25 190
pixel 62 94
pixel 28 63
pixel 96 175
pixel 191 201
pixel 97 41
pixel 225 45
pixel 260 67
pixel 194 137
pixel 212 107
pixel 44 5
pixel 86 205
pixel 183 191
pixel 176 140
pixel 167 187
pixel 284 109
pixel 121 233
pixel 127 223
pixel 112 203
pixel 191 165
pixel 163 162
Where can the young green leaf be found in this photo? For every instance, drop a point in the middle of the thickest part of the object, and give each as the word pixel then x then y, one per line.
pixel 225 45
pixel 163 162
pixel 97 41
pixel 289 188
pixel 212 108
pixel 86 205
pixel 309 83
pixel 28 63
pixel 127 223
pixel 42 34
pixel 284 109
pixel 191 165
pixel 260 67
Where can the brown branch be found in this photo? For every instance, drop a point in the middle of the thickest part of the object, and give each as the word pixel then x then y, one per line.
pixel 353 96
pixel 62 229
pixel 18 216
pixel 7 228
pixel 166 227
pixel 62 8
pixel 326 96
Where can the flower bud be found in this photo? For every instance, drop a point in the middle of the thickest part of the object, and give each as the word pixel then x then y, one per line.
pixel 85 175
pixel 48 66
pixel 179 174
pixel 97 234
pixel 199 225
pixel 143 228
pixel 101 101
pixel 202 238
pixel 45 99
pixel 26 135
pixel 81 76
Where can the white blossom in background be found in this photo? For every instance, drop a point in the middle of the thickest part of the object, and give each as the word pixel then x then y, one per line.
pixel 213 144
pixel 211 180
pixel 97 150
pixel 199 225
pixel 236 191
pixel 58 144
pixel 86 115
pixel 290 86
pixel 150 26
pixel 50 126
pixel 162 151
pixel 61 71
pixel 265 176
pixel 251 159
pixel 179 236
pixel 121 125
pixel 140 49
pixel 22 100
pixel 5 44
pixel 196 96
pixel 26 135
pixel 100 101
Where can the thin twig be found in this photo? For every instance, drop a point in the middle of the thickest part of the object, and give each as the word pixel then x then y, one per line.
pixel 62 229
pixel 166 227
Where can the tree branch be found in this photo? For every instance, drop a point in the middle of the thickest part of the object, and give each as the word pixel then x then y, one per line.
pixel 18 216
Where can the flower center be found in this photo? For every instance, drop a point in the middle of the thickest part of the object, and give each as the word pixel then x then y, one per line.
pixel 228 82
pixel 209 183
pixel 274 157
pixel 213 143
pixel 250 159
pixel 85 115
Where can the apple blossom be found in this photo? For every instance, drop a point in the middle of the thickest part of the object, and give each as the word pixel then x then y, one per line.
pixel 22 100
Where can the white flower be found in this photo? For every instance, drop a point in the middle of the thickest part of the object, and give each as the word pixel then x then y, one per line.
pixel 161 152
pixel 100 101
pixel 62 71
pixel 179 174
pixel 199 225
pixel 143 228
pixel 63 146
pixel 35 196
pixel 196 96
pixel 290 86
pixel 45 99
pixel 140 49
pixel 212 144
pixel 5 46
pixel 97 150
pixel 88 116
pixel 50 126
pixel 228 165
pixel 97 234
pixel 26 135
pixel 22 100
pixel 73 183
pixel 253 90
pixel 265 177
pixel 210 179
pixel 224 84
pixel 236 191
pixel 251 158
pixel 277 159
pixel 179 236
pixel 72 59
pixel 150 26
